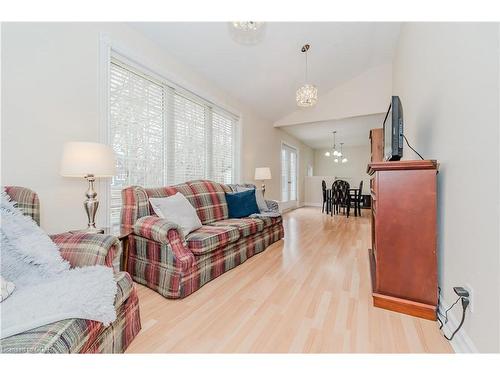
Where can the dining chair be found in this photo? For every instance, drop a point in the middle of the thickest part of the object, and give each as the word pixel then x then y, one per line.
pixel 326 198
pixel 357 199
pixel 341 197
pixel 323 188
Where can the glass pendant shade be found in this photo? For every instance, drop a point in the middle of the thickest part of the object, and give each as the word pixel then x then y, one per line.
pixel 336 160
pixel 307 95
pixel 344 160
pixel 247 25
pixel 327 154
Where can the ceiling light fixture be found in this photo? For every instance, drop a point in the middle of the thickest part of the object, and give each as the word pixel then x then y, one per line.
pixel 247 32
pixel 247 25
pixel 307 94
pixel 344 159
pixel 334 152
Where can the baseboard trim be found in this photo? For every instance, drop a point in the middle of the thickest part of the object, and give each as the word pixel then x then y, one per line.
pixel 312 204
pixel 461 343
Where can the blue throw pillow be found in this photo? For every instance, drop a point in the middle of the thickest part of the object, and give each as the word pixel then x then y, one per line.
pixel 242 204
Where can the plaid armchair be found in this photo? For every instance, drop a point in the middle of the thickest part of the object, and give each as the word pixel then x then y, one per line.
pixel 163 260
pixel 80 335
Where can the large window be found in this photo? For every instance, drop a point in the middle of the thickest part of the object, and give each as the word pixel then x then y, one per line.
pixel 164 135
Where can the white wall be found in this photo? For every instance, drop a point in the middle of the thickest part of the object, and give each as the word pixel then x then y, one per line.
pixel 50 95
pixel 325 169
pixel 354 170
pixel 447 76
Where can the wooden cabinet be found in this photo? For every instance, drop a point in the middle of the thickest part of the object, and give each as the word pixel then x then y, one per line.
pixel 403 260
pixel 377 145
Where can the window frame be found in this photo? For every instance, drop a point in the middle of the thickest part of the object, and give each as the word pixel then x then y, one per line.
pixel 110 50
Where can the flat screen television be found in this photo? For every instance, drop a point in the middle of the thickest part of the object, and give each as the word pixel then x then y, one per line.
pixel 393 131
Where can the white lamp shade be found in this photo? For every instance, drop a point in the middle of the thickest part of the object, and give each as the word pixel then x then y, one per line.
pixel 81 159
pixel 263 173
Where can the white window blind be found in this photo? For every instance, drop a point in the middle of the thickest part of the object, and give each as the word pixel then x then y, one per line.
pixel 164 135
pixel 222 148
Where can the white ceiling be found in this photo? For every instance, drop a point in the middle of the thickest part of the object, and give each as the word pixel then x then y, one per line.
pixel 266 75
pixel 353 131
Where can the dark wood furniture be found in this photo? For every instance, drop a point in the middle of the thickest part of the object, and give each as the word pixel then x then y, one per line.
pixel 377 145
pixel 367 200
pixel 123 237
pixel 326 197
pixel 356 198
pixel 341 197
pixel 403 259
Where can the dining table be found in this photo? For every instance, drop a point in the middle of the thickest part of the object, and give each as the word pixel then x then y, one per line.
pixel 352 191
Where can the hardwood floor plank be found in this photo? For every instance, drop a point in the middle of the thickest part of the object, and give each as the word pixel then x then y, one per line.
pixel 308 293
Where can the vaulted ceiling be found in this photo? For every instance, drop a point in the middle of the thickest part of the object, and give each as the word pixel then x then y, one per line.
pixel 352 131
pixel 265 76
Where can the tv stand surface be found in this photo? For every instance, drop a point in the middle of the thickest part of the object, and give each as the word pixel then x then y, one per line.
pixel 403 261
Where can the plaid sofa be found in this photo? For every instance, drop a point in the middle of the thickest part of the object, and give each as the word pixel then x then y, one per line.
pixel 80 335
pixel 163 260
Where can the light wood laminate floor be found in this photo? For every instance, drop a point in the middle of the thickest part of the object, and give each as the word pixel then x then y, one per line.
pixel 308 293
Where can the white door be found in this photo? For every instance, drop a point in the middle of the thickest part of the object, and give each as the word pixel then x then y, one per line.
pixel 288 176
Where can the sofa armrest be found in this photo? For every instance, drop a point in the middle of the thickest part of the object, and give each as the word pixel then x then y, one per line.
pixel 169 235
pixel 88 249
pixel 273 205
pixel 156 229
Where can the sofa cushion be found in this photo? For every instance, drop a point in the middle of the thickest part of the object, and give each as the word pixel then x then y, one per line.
pixel 65 336
pixel 210 200
pixel 167 191
pixel 242 204
pixel 247 226
pixel 178 210
pixel 208 238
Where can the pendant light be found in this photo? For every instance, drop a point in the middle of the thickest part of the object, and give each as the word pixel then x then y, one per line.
pixel 307 94
pixel 344 159
pixel 334 152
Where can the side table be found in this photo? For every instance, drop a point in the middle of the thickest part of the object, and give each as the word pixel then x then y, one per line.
pixel 122 235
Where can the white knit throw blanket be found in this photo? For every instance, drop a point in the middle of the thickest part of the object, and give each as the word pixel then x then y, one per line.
pixel 47 290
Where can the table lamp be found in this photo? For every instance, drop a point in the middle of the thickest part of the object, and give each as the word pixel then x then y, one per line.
pixel 88 160
pixel 262 174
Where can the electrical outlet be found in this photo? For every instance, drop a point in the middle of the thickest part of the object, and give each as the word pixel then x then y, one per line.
pixel 468 287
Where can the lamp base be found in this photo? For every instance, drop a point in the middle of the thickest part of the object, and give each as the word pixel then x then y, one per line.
pixel 88 230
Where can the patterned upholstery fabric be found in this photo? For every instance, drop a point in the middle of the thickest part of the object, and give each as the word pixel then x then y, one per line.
pixel 175 272
pixel 135 205
pixel 207 198
pixel 270 221
pixel 246 226
pixel 27 201
pixel 155 228
pixel 210 200
pixel 167 191
pixel 208 238
pixel 80 335
pixel 176 267
pixel 84 336
pixel 271 205
pixel 86 249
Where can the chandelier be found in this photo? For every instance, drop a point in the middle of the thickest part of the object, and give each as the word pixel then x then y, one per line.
pixel 247 25
pixel 338 155
pixel 307 94
pixel 247 32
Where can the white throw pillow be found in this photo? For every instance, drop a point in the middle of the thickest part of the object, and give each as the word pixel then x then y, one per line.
pixel 261 202
pixel 6 289
pixel 178 210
